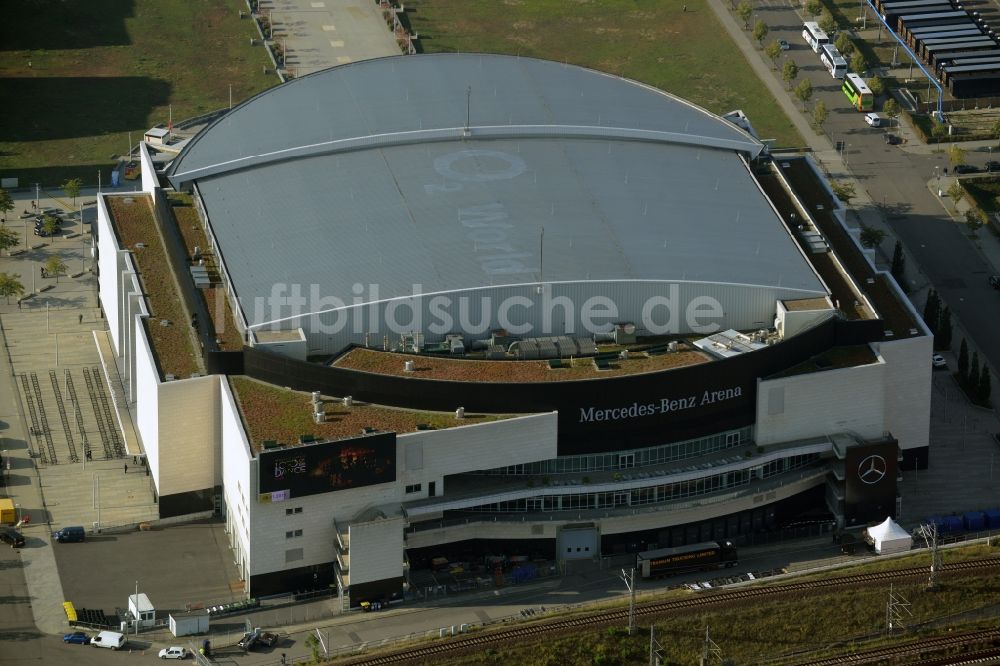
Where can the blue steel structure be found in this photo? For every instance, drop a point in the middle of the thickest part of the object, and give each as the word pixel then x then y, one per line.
pixel 931 79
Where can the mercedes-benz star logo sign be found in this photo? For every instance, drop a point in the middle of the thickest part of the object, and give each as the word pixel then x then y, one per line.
pixel 872 469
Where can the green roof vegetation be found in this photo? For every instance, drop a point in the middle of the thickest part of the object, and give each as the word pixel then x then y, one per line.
pixel 273 413
pixel 174 345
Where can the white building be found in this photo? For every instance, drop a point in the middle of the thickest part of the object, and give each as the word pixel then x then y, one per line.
pixel 761 378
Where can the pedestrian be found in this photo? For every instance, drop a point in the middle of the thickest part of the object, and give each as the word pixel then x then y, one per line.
pixel 126 468
pixel 685 7
pixel 135 461
pixel 90 456
pixel 19 304
pixel 80 319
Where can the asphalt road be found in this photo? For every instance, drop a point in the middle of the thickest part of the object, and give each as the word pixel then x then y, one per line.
pixel 897 180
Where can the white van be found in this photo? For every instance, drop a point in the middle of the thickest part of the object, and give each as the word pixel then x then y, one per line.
pixel 109 639
pixel 873 119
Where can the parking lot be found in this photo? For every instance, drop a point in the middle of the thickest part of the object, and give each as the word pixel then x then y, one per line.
pixel 174 566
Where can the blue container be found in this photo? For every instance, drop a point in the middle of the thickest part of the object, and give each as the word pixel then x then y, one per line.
pixel 952 524
pixel 937 521
pixel 974 521
pixel 993 519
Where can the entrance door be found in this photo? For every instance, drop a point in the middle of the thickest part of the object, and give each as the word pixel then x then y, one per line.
pixel 578 544
pixel 432 488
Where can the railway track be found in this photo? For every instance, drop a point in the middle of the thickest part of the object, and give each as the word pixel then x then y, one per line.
pixel 913 651
pixel 663 607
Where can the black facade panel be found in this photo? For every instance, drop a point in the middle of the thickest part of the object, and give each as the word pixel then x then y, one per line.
pixel 914 458
pixel 300 579
pixel 594 415
pixel 182 504
pixel 870 487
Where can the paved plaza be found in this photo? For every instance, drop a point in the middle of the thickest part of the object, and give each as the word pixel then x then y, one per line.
pixel 316 35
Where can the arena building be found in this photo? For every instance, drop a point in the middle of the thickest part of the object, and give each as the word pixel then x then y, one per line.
pixel 497 306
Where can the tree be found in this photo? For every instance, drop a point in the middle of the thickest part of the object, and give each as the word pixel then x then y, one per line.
pixel 877 86
pixel 71 188
pixel 760 32
pixel 55 266
pixel 843 190
pixel 820 114
pixel 50 224
pixel 972 380
pixel 956 191
pixel 789 72
pixel 858 63
pixel 898 269
pixel 891 107
pixel 973 219
pixel 938 129
pixel 826 22
pixel 804 91
pixel 814 7
pixel 844 44
pixel 932 311
pixel 995 131
pixel 10 285
pixel 963 359
pixel 871 237
pixel 984 385
pixel 6 203
pixel 942 339
pixel 956 154
pixel 773 51
pixel 745 11
pixel 8 238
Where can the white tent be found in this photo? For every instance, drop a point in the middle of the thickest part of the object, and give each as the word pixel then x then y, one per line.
pixel 889 537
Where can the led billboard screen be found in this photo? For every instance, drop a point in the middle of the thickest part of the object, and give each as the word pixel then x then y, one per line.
pixel 322 468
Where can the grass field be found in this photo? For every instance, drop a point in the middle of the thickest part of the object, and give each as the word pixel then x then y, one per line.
pixel 76 77
pixel 777 631
pixel 654 41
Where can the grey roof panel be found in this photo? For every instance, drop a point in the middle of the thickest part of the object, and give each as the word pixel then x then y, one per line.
pixel 615 204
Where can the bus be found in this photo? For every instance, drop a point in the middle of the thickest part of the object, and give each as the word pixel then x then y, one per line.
pixel 858 92
pixel 686 559
pixel 814 37
pixel 835 63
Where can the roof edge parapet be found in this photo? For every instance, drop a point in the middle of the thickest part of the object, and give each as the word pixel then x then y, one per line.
pixel 492 132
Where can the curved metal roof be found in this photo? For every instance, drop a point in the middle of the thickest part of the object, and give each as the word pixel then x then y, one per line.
pixel 367 174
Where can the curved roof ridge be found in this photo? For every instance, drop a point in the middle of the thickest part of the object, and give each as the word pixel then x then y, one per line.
pixel 429 92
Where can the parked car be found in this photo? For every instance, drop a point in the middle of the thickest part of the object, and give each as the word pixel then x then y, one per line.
pixel 966 168
pixel 873 119
pixel 248 641
pixel 12 537
pixel 938 361
pixel 267 639
pixel 784 45
pixel 892 139
pixel 992 166
pixel 173 653
pixel 77 637
pixel 70 534
pixel 109 639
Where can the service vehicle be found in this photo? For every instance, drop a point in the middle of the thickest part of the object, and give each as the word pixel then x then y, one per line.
pixel 873 119
pixel 109 639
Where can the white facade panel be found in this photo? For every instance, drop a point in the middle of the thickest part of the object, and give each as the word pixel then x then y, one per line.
pixel 236 475
pixel 474 447
pixel 147 409
pixel 376 550
pixel 821 403
pixel 908 389
pixel 109 268
pixel 189 432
